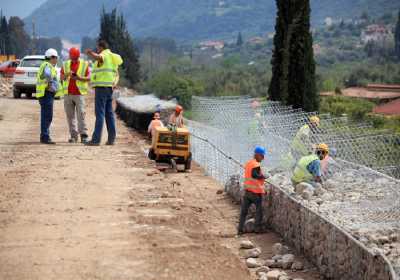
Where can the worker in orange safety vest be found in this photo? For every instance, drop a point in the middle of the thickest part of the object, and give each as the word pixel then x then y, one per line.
pixel 254 181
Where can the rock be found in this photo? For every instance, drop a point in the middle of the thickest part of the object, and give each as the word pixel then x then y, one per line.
pixel 253 263
pixel 284 277
pixel 262 276
pixel 300 188
pixel 273 263
pixel 273 274
pixel 319 201
pixel 307 194
pixel 277 257
pixel 297 266
pixel 252 253
pixel 327 196
pixel 287 261
pixel 249 225
pixel 262 269
pixel 279 249
pixel 246 244
pixel 319 190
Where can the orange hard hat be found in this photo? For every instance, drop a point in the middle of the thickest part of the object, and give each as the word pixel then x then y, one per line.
pixel 74 53
pixel 178 109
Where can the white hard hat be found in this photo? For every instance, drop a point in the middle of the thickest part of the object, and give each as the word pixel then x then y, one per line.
pixel 51 52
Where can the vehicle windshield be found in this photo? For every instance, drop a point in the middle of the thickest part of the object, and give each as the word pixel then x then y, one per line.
pixel 36 62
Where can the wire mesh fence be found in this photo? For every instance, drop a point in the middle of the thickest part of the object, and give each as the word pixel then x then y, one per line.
pixel 363 170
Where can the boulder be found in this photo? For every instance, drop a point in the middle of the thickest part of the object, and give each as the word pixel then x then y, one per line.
pixel 300 188
pixel 287 261
pixel 246 244
pixel 319 190
pixel 297 266
pixel 253 263
pixel 251 253
pixel 274 274
pixel 279 249
pixel 262 269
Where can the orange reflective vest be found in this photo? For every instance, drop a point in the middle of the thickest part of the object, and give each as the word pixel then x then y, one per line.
pixel 251 184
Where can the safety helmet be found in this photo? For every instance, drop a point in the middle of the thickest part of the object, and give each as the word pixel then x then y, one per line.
pixel 259 151
pixel 74 53
pixel 178 109
pixel 315 120
pixel 323 147
pixel 50 53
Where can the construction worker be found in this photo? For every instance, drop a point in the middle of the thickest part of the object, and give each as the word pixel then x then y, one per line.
pixel 254 181
pixel 156 122
pixel 47 87
pixel 75 77
pixel 176 118
pixel 103 79
pixel 302 144
pixel 308 168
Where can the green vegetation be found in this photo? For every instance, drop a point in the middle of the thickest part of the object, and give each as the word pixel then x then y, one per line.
pixel 397 37
pixel 293 66
pixel 113 30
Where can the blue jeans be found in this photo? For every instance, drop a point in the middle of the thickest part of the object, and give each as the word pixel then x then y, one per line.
pixel 103 109
pixel 46 115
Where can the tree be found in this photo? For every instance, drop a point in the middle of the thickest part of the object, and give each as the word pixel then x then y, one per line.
pixel 5 47
pixel 293 66
pixel 19 39
pixel 239 41
pixel 113 30
pixel 397 37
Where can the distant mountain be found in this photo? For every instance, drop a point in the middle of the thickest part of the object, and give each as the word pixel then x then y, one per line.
pixel 187 20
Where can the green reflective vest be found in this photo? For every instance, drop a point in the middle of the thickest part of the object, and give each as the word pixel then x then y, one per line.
pixel 42 83
pixel 82 85
pixel 301 173
pixel 301 142
pixel 104 74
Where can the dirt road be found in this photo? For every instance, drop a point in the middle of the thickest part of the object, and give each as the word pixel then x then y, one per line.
pixel 75 212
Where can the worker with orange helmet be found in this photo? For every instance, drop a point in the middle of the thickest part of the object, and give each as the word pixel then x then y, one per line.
pixel 176 118
pixel 308 168
pixel 75 75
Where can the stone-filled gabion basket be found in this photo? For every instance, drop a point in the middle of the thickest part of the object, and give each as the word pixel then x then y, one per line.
pixel 137 111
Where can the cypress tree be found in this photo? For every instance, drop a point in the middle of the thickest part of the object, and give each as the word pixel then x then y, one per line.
pixel 397 37
pixel 239 41
pixel 293 65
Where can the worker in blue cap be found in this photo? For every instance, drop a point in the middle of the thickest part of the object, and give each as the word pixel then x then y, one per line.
pixel 254 181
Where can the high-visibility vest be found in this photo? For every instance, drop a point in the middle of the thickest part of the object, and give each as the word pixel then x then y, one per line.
pixel 251 184
pixel 42 83
pixel 300 141
pixel 105 73
pixel 82 69
pixel 301 173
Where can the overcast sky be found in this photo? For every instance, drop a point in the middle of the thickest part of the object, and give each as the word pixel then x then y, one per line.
pixel 21 8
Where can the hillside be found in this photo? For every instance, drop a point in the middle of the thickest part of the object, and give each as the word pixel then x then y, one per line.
pixel 186 20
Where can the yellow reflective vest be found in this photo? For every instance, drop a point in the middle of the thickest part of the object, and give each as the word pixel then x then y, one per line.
pixel 41 82
pixel 301 173
pixel 82 69
pixel 104 74
pixel 301 143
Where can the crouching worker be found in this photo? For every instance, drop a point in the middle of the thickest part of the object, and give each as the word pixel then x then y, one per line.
pixel 308 168
pixel 156 122
pixel 254 181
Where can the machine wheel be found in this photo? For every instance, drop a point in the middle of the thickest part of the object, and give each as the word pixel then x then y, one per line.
pixel 152 155
pixel 17 93
pixel 188 163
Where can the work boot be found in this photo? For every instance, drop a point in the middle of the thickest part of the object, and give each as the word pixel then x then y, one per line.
pixel 110 143
pixel 48 142
pixel 73 140
pixel 84 138
pixel 91 143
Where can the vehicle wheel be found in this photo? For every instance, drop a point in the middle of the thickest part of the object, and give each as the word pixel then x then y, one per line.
pixel 17 93
pixel 29 95
pixel 152 155
pixel 188 163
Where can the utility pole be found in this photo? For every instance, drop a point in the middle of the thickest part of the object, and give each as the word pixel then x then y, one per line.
pixel 33 37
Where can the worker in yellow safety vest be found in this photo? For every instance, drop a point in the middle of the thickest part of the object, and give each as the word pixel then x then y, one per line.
pixel 254 181
pixel 47 87
pixel 104 79
pixel 302 143
pixel 308 168
pixel 75 75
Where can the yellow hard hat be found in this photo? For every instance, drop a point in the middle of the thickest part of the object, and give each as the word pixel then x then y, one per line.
pixel 323 147
pixel 314 119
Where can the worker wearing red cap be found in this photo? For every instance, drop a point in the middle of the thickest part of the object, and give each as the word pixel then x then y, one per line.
pixel 176 119
pixel 75 76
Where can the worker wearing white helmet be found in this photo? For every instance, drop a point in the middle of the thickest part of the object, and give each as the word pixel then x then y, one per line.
pixel 47 87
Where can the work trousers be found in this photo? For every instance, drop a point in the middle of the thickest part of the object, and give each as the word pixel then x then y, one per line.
pixel 75 108
pixel 250 198
pixel 104 110
pixel 46 115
